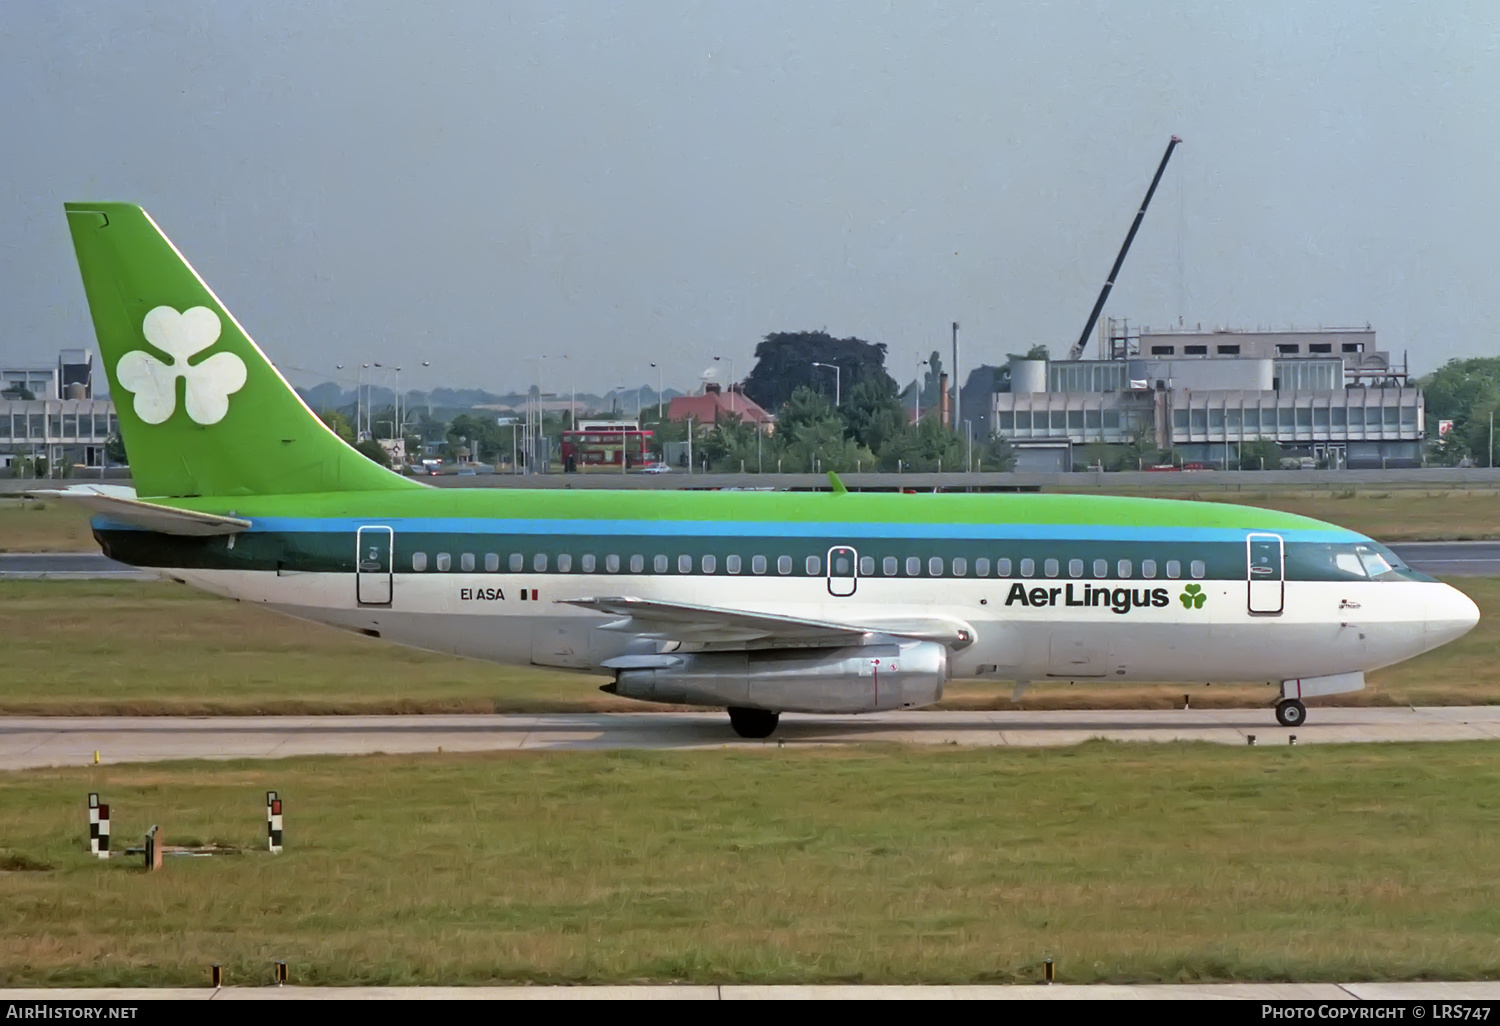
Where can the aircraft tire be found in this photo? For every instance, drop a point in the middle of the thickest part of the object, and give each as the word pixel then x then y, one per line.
pixel 753 723
pixel 1291 713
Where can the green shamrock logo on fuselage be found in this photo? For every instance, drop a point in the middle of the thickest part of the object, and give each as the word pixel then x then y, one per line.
pixel 1192 597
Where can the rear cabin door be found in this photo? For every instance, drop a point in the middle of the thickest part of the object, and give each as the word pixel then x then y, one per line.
pixel 1267 573
pixel 373 547
pixel 843 571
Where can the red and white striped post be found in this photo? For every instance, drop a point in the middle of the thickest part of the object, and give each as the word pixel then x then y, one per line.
pixel 98 827
pixel 273 822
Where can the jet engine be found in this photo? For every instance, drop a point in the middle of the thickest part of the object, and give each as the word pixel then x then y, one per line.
pixel 852 679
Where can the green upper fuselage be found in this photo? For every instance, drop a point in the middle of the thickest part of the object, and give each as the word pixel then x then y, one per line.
pixel 517 530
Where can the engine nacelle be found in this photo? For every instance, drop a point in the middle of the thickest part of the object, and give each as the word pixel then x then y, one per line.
pixel 852 679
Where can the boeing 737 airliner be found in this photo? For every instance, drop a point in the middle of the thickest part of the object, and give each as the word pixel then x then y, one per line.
pixel 756 602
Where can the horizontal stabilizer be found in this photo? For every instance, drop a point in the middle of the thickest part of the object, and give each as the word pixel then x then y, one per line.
pixel 684 621
pixel 122 507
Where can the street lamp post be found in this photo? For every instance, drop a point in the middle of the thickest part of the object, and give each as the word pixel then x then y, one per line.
pixel 837 378
pixel 918 386
pixel 731 383
pixel 659 399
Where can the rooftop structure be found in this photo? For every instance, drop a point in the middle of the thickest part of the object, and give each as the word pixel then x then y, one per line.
pixel 714 403
pixel 1329 395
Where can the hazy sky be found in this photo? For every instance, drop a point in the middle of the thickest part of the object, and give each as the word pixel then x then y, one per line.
pixel 622 183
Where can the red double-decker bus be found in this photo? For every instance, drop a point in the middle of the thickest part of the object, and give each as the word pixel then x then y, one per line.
pixel 605 443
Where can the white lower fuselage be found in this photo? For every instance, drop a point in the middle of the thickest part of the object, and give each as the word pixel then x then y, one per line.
pixel 1323 628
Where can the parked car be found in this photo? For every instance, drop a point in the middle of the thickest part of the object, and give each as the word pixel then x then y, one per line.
pixel 657 468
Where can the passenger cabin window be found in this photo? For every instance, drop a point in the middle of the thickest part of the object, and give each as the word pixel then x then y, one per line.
pixel 637 563
pixel 539 562
pixel 710 563
pixel 890 566
pixel 1050 568
pixel 1198 569
pixel 935 566
pixel 783 564
pixel 758 564
pixel 913 566
pixel 684 564
pixel 867 566
pixel 517 562
pixel 564 563
pixel 1148 568
pixel 444 561
pixel 1075 568
pixel 840 565
pixel 587 562
pixel 659 564
pixel 612 563
pixel 814 566
pixel 1174 569
pixel 732 564
pixel 982 566
pixel 419 561
pixel 1028 568
pixel 960 566
pixel 1002 567
pixel 466 562
pixel 1122 568
pixel 1101 568
pixel 491 562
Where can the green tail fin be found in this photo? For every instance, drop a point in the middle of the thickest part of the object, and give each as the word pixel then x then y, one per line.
pixel 202 411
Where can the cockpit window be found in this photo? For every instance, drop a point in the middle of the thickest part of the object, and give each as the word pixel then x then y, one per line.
pixel 1374 563
pixel 1348 562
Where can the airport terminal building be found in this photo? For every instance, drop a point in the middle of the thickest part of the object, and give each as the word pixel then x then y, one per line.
pixel 51 413
pixel 1329 395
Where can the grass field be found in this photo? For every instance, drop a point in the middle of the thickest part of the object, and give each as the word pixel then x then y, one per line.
pixel 1387 514
pixel 138 648
pixel 1123 863
pixel 31 525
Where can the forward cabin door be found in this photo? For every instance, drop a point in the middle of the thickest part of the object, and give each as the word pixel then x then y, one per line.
pixel 843 571
pixel 1267 573
pixel 373 547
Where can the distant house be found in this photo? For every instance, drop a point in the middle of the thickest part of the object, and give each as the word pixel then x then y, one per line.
pixel 715 403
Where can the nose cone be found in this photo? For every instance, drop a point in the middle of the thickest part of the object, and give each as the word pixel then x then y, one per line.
pixel 1450 615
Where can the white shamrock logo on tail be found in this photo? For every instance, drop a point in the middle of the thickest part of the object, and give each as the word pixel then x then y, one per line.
pixel 154 384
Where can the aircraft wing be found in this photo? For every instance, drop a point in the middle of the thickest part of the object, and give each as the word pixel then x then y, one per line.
pixel 682 621
pixel 121 506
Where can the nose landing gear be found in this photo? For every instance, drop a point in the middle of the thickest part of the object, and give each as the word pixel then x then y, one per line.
pixel 1291 713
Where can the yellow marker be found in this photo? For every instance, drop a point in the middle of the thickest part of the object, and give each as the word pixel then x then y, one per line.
pixel 96 756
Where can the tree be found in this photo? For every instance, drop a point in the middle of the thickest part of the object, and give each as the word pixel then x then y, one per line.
pixel 1263 454
pixel 373 451
pixel 927 447
pixel 338 424
pixel 114 449
pixel 784 362
pixel 1466 392
pixel 872 411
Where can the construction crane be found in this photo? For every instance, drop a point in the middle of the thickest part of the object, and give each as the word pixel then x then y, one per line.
pixel 1083 340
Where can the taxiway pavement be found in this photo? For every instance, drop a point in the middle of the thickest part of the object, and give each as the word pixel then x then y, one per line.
pixel 30 742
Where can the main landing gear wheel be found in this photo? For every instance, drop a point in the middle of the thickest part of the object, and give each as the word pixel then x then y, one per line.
pixel 755 723
pixel 1291 713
